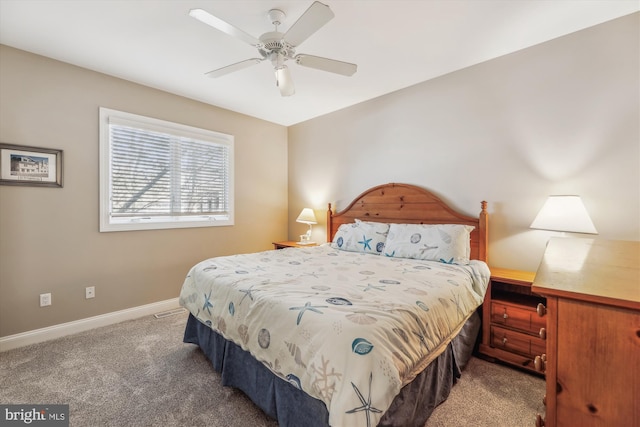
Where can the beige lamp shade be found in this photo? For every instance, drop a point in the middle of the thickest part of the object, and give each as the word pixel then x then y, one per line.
pixel 564 213
pixel 307 217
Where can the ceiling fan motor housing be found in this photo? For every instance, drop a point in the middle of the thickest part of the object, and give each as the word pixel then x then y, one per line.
pixel 273 42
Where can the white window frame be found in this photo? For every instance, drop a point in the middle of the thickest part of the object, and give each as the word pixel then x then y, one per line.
pixel 109 223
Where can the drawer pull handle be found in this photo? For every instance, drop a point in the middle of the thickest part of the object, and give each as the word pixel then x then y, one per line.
pixel 543 333
pixel 540 363
pixel 541 309
pixel 505 315
pixel 504 341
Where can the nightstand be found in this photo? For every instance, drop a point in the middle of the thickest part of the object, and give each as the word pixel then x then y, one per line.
pixel 289 244
pixel 513 319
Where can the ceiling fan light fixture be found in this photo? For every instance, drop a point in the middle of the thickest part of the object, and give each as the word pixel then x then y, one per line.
pixel 284 81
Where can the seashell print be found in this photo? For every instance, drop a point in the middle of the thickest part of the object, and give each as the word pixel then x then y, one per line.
pixel 242 272
pixel 389 282
pixel 402 334
pixel 232 308
pixel 387 306
pixel 294 381
pixel 296 353
pixel 332 254
pixel 367 272
pixel 340 242
pixel 361 346
pixel 444 302
pixel 361 318
pixel 415 238
pixel 416 291
pixel 338 301
pixel 243 331
pixel 422 305
pixel 222 325
pixel 264 338
pixel 380 247
pixel 452 282
pixel 209 268
pixel 191 298
pixel 294 263
pixel 355 296
pixel 320 288
pixel 446 237
pixel 422 267
pixel 444 273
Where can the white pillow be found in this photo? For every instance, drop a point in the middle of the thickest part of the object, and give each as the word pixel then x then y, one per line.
pixel 447 243
pixel 361 236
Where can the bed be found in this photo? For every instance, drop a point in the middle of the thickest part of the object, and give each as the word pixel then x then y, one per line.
pixel 371 328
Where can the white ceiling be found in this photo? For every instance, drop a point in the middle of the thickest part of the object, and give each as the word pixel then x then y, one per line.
pixel 396 43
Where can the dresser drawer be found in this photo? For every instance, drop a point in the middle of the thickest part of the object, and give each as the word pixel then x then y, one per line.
pixel 517 342
pixel 516 316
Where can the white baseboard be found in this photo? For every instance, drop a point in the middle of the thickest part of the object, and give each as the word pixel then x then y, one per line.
pixel 56 331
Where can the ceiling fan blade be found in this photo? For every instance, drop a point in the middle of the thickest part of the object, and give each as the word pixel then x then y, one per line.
pixel 284 81
pixel 217 23
pixel 312 20
pixel 326 64
pixel 234 67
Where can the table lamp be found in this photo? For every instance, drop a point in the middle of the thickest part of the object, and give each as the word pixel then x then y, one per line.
pixel 564 213
pixel 567 214
pixel 306 217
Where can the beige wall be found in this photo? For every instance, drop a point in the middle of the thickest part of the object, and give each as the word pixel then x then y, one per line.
pixel 558 118
pixel 49 239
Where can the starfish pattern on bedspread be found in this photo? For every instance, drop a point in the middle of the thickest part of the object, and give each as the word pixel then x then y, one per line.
pixel 307 306
pixel 366 403
pixel 247 293
pixel 207 303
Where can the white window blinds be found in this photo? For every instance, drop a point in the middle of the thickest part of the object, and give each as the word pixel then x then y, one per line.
pixel 166 173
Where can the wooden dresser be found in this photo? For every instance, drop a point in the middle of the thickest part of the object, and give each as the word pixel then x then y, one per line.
pixel 592 362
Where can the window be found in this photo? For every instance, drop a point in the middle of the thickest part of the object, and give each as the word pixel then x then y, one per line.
pixel 157 174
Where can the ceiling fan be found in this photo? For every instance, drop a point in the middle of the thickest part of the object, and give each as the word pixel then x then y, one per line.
pixel 280 47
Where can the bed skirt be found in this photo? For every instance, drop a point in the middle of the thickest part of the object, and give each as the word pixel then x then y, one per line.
pixel 293 407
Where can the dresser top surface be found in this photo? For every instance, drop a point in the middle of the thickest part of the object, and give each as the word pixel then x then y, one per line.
pixel 603 271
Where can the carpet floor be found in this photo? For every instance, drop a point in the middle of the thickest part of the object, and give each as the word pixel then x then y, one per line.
pixel 140 373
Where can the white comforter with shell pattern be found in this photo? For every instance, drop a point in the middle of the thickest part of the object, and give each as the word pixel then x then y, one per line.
pixel 347 328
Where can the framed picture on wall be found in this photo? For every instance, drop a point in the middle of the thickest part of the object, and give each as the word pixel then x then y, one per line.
pixel 38 167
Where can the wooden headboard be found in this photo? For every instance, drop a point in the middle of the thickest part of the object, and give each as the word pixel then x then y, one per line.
pixel 404 203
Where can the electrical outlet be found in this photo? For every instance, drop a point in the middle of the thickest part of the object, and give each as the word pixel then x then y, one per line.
pixel 45 300
pixel 90 292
